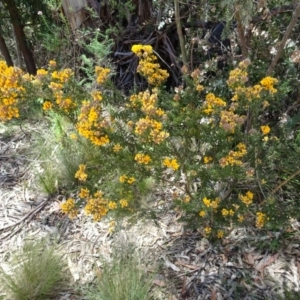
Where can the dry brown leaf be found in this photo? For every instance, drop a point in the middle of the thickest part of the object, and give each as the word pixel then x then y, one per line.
pixel 213 295
pixel 266 261
pixel 249 258
pixel 159 280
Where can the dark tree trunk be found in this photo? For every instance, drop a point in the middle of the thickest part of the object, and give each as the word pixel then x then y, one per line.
pixel 4 51
pixel 15 17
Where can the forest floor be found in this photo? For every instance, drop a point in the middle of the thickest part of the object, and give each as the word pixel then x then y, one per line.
pixel 248 264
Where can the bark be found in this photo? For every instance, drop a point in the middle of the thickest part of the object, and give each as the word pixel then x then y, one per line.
pixel 15 17
pixel 4 51
pixel 284 40
pixel 180 34
pixel 241 35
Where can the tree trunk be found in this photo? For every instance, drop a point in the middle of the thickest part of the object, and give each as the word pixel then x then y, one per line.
pixel 4 50
pixel 15 17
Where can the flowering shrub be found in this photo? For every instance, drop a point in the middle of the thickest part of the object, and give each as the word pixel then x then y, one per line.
pixel 11 91
pixel 219 152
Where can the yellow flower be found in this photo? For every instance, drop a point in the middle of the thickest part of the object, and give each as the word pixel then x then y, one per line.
pixel 80 174
pixel 41 72
pixel 268 84
pixel 247 199
pixel 47 105
pixel 206 202
pixel 97 96
pixel 52 64
pixel 112 205
pixel 207 159
pixel 84 193
pixel 225 212
pixel 123 178
pixel 186 199
pixel 215 203
pixel 202 213
pixel 220 234
pixel 131 180
pixel 142 158
pixel 102 74
pixel 207 230
pixel 117 148
pixel 265 129
pixel 261 219
pixel 199 87
pixel 148 67
pixel 123 203
pixel 69 208
pixel 97 207
pixel 171 163
pixel 241 218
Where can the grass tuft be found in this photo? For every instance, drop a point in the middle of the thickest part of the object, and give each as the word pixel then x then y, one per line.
pixel 38 273
pixel 121 279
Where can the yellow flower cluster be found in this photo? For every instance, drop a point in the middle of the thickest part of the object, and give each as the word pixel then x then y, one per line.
pixel 150 130
pixel 212 102
pixel 147 103
pixel 96 95
pixel 171 163
pixel 52 64
pixel 47 105
pixel 233 157
pixel 142 158
pixel 40 73
pixel 91 124
pixel 62 76
pixel 237 77
pixel 251 93
pixel 69 208
pixel 84 193
pixel 229 120
pixel 65 104
pixel 124 203
pixel 80 174
pixel 227 212
pixel 207 230
pixel 265 129
pixel 268 84
pixel 126 179
pixel 261 219
pixel 148 66
pixel 96 206
pixel 112 205
pixel 57 81
pixel 10 91
pixel 211 203
pixel 102 74
pixel 207 159
pixel 247 198
pixel 202 213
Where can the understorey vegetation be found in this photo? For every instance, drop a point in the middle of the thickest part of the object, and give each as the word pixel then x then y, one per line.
pixel 154 99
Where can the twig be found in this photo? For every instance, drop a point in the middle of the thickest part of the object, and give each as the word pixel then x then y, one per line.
pixel 285 181
pixel 27 217
pixel 284 40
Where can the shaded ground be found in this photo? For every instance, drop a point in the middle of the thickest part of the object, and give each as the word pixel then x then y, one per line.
pixel 246 265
